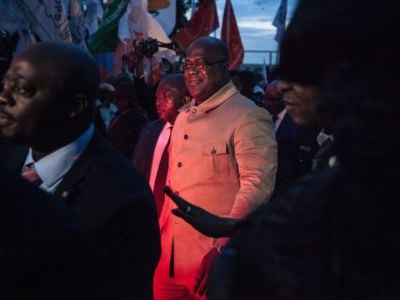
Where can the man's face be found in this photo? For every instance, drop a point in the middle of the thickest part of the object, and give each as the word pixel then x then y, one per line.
pixel 168 101
pixel 203 82
pixel 301 103
pixel 273 99
pixel 27 107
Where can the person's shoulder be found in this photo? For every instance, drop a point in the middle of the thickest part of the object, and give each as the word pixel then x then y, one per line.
pixel 106 155
pixel 241 105
pixel 245 104
pixel 153 124
pixel 311 192
pixel 103 164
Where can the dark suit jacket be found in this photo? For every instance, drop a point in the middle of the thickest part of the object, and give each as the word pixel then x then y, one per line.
pixel 43 253
pixel 125 129
pixel 143 155
pixel 296 148
pixel 6 148
pixel 114 206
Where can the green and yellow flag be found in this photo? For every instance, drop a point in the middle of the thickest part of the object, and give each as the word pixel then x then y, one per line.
pixel 105 39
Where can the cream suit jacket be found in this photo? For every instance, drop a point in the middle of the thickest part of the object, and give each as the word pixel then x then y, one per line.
pixel 223 157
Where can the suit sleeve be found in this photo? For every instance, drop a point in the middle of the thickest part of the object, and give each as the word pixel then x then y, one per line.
pixel 256 156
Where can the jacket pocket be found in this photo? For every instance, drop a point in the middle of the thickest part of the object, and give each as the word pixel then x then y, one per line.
pixel 217 158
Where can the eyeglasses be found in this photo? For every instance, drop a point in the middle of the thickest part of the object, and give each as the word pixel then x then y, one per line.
pixel 199 65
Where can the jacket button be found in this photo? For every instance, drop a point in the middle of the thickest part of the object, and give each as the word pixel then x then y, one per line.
pixel 194 110
pixel 185 136
pixel 179 164
pixel 213 151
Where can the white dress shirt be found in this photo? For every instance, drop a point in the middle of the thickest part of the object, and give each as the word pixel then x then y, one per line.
pixel 279 118
pixel 52 168
pixel 158 151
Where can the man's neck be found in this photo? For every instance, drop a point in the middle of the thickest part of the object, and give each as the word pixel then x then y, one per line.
pixel 221 85
pixel 41 150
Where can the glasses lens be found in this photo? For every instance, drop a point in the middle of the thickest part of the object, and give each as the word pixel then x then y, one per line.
pixel 197 66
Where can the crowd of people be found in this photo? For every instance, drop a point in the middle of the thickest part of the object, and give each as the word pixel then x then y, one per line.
pixel 205 186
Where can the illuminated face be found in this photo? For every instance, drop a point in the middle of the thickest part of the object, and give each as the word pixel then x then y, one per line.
pixel 28 107
pixel 168 100
pixel 301 103
pixel 204 72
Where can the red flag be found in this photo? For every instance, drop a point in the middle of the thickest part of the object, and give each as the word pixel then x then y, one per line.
pixel 203 22
pixel 231 36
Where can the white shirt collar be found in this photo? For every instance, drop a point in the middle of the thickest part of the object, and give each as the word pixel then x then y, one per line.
pixel 55 165
pixel 279 119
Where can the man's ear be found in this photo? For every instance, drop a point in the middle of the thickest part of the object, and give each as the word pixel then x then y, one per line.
pixel 225 70
pixel 226 67
pixel 80 103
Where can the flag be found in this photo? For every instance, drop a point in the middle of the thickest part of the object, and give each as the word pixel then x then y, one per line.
pixel 94 11
pixel 136 24
pixel 166 16
pixel 280 20
pixel 47 19
pixel 202 23
pixel 105 39
pixel 77 22
pixel 231 36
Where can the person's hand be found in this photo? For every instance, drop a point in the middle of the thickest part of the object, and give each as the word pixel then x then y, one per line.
pixel 203 221
pixel 204 271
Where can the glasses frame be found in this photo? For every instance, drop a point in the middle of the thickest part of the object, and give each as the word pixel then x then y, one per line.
pixel 200 66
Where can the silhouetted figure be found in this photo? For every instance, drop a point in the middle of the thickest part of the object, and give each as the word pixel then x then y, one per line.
pixel 332 235
pixel 125 129
pixel 47 107
pixel 43 253
pixel 297 145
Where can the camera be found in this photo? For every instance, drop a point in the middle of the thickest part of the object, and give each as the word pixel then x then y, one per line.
pixel 150 46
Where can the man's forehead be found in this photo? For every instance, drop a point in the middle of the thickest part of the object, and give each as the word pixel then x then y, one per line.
pixel 167 87
pixel 195 58
pixel 197 51
pixel 22 68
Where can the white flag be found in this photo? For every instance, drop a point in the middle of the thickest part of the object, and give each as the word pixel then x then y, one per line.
pixel 280 20
pixel 167 17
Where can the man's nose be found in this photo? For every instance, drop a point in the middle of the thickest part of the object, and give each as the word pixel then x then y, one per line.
pixel 5 97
